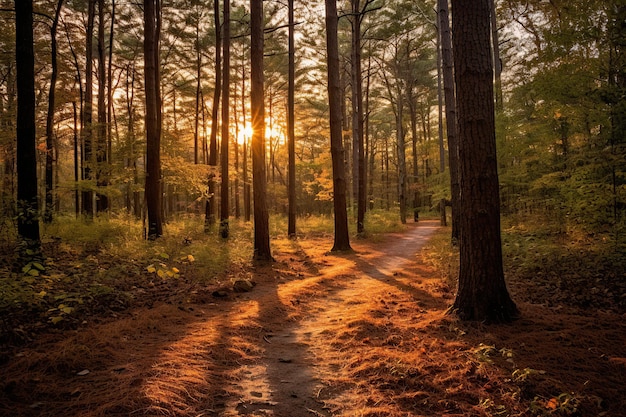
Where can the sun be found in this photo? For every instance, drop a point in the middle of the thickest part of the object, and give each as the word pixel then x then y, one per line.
pixel 244 134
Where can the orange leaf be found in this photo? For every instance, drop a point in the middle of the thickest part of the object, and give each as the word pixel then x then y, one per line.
pixel 552 404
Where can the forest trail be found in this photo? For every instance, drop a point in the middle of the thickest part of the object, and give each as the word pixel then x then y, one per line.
pixel 321 334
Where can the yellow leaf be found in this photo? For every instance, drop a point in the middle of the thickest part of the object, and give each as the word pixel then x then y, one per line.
pixel 42 294
pixel 175 270
pixel 56 319
pixel 67 310
pixel 161 273
pixel 190 258
pixel 151 269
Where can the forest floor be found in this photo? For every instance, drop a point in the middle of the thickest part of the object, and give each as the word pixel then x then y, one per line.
pixel 321 334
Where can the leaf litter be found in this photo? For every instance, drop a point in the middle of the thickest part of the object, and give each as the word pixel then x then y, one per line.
pixel 321 334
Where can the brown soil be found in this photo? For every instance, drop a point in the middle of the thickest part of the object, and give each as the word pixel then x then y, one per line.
pixel 325 334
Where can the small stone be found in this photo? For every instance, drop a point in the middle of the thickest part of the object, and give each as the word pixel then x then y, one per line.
pixel 243 285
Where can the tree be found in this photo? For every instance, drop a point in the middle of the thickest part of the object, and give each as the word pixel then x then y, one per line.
pixel 482 293
pixel 152 27
pixel 291 183
pixel 450 104
pixel 210 207
pixel 225 198
pixel 102 202
pixel 342 238
pixel 27 205
pixel 47 217
pixel 87 115
pixel 262 250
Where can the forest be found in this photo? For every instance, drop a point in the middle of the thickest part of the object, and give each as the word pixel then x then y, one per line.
pixel 287 208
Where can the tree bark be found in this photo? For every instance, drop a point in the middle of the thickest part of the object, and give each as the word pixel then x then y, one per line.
pixel 27 205
pixel 152 10
pixel 342 238
pixel 262 250
pixel 482 294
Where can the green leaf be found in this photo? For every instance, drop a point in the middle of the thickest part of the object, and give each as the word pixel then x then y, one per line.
pixel 33 273
pixel 39 266
pixel 56 319
pixel 67 310
pixel 27 267
pixel 164 255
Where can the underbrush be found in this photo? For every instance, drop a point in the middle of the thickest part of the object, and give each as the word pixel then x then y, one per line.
pixel 546 265
pixel 100 268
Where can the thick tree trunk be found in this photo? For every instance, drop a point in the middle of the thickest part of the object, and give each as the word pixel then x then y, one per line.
pixel 224 157
pixel 482 294
pixel 291 182
pixel 451 121
pixel 27 205
pixel 153 118
pixel 342 238
pixel 262 250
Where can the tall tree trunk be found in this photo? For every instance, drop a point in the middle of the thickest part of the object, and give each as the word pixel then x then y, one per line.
pixel 400 140
pixel 247 198
pixel 78 172
pixel 261 215
pixel 342 238
pixel 76 161
pixel 110 108
pixel 357 118
pixel 87 116
pixel 27 205
pixel 102 202
pixel 47 216
pixel 291 182
pixel 442 153
pixel 224 157
pixel 482 294
pixel 211 206
pixel 152 11
pixel 196 131
pixel 451 120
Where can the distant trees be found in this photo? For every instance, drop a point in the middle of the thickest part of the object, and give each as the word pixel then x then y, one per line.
pixel 560 150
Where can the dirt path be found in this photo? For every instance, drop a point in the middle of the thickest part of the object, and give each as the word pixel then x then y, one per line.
pixel 322 334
